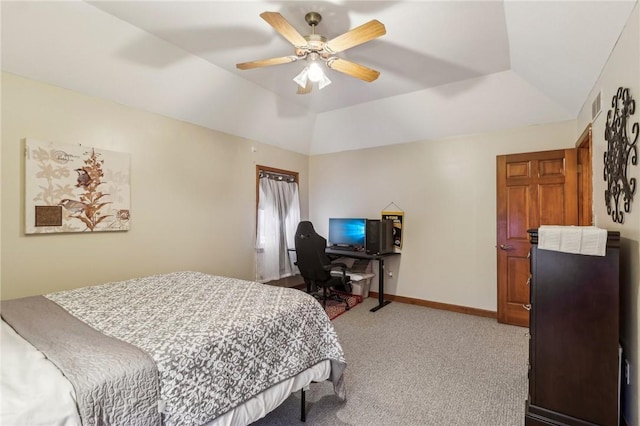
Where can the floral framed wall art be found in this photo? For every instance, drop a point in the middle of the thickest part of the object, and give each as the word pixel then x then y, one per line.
pixel 75 188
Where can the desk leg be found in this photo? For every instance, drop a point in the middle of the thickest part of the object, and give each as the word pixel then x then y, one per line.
pixel 381 302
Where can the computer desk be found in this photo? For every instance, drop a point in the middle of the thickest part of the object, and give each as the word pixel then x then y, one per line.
pixel 333 253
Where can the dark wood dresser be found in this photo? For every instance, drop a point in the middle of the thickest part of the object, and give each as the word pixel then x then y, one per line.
pixel 574 344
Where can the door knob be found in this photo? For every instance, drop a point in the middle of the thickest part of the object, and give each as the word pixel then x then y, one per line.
pixel 505 247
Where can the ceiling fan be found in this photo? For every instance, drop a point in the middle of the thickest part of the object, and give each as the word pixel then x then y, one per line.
pixel 315 49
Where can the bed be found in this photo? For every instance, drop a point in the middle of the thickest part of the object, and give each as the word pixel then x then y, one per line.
pixel 183 348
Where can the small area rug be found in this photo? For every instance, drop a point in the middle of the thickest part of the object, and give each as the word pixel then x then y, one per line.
pixel 335 308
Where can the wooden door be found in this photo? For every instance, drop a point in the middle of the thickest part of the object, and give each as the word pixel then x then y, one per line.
pixel 585 177
pixel 533 189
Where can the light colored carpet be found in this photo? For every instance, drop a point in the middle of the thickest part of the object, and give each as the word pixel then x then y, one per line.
pixel 409 365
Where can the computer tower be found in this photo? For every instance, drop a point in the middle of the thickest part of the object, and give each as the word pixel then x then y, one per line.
pixel 379 236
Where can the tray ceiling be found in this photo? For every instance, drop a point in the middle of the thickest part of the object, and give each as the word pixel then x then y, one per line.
pixel 447 67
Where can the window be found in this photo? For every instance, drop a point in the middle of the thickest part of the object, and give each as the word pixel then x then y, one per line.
pixel 278 214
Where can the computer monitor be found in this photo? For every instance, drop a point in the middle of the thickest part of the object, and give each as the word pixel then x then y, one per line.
pixel 347 233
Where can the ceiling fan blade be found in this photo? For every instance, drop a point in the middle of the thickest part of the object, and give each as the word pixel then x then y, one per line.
pixel 285 29
pixel 305 90
pixel 266 62
pixel 353 69
pixel 362 34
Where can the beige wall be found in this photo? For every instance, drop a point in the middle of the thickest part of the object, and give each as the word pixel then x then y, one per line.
pixel 447 190
pixel 192 199
pixel 622 70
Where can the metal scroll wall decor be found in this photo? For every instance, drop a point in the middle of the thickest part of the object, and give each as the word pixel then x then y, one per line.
pixel 621 150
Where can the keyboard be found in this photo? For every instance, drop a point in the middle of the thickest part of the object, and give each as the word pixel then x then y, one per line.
pixel 341 248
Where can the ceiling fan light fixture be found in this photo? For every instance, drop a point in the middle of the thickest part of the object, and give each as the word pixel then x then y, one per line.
pixel 315 73
pixel 323 82
pixel 307 74
pixel 302 78
pixel 315 48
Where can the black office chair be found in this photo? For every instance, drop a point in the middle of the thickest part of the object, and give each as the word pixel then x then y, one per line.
pixel 315 266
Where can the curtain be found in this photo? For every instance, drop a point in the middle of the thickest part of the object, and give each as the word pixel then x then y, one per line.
pixel 278 217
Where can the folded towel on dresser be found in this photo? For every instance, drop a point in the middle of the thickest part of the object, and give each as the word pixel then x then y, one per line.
pixel 587 240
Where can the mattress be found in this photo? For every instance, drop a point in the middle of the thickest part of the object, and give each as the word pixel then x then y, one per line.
pixel 227 351
pixel 34 392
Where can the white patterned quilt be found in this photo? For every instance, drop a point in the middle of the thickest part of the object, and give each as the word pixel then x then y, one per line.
pixel 216 341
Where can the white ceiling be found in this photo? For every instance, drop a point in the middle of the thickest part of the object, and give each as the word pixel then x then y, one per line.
pixel 447 67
